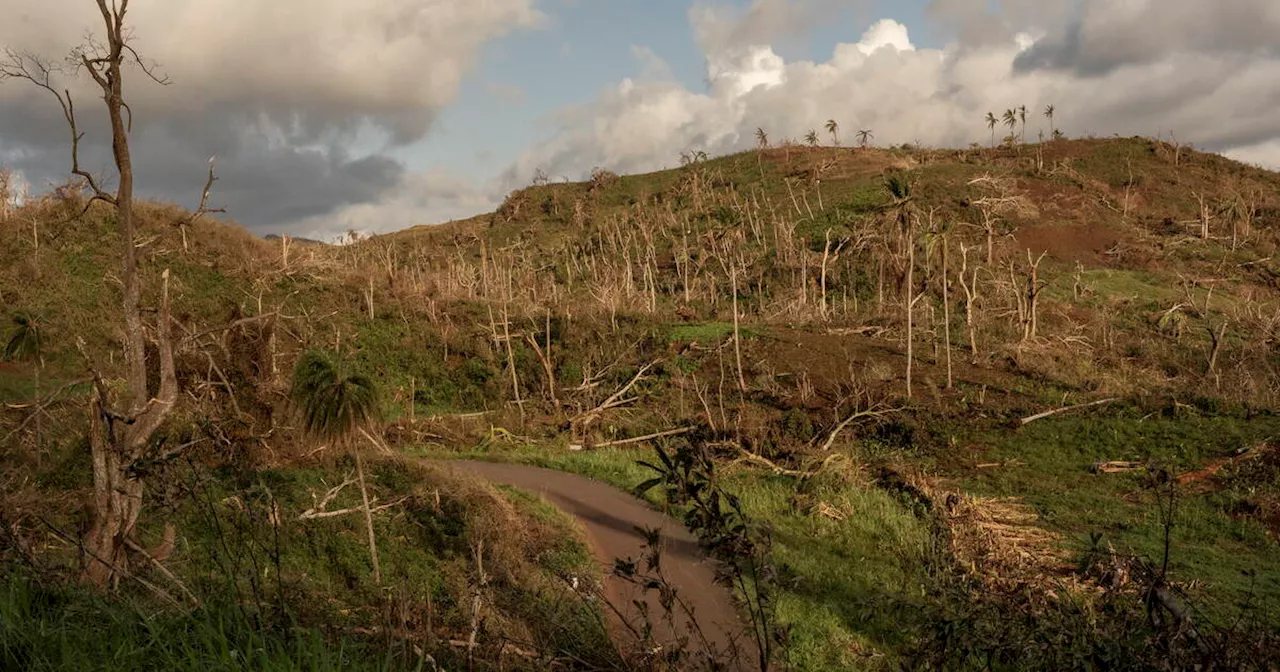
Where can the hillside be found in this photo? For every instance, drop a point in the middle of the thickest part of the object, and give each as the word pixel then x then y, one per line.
pixel 856 337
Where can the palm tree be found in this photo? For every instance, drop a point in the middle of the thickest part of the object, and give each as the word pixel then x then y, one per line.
pixel 1010 120
pixel 834 129
pixel 1022 114
pixel 991 124
pixel 762 139
pixel 811 138
pixel 864 136
pixel 1048 112
pixel 25 344
pixel 334 406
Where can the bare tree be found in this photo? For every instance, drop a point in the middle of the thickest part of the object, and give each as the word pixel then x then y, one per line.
pixel 1029 298
pixel 969 283
pixel 942 229
pixel 899 189
pixel 121 426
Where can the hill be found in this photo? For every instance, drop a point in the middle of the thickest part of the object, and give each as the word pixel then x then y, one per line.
pixel 866 341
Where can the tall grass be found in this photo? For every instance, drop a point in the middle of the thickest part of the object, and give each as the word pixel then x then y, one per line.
pixel 46 627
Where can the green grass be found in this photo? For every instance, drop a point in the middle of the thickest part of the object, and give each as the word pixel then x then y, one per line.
pixel 17 385
pixel 1052 473
pixel 708 332
pixel 47 628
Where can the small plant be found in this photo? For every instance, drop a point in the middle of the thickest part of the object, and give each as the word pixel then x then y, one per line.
pixel 25 343
pixel 688 478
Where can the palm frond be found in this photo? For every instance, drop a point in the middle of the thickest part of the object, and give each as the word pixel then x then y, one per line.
pixel 898 186
pixel 25 340
pixel 331 405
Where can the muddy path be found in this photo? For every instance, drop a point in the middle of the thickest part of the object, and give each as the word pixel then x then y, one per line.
pixel 610 517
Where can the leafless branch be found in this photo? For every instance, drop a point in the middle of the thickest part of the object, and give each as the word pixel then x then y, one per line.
pixel 1037 416
pixel 34 69
pixel 636 439
pixel 204 208
pixel 873 412
pixel 618 398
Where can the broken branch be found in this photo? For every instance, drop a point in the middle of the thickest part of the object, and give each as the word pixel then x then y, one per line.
pixel 1064 409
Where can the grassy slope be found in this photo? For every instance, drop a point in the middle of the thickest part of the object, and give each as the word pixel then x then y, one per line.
pixel 318 572
pixel 851 572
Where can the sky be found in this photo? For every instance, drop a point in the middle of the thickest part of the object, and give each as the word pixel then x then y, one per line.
pixel 329 115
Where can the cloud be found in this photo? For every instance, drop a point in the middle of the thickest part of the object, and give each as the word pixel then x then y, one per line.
pixel 1219 95
pixel 417 198
pixel 1265 154
pixel 721 27
pixel 1109 34
pixel 298 98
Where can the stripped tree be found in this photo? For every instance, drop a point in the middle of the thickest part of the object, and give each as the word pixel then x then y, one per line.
pixel 121 425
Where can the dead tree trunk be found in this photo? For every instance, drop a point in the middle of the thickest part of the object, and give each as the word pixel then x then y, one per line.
pixel 118 441
pixel 946 309
pixel 737 333
pixel 908 296
pixel 970 286
pixel 1034 287
pixel 1216 338
pixel 368 521
pixel 119 437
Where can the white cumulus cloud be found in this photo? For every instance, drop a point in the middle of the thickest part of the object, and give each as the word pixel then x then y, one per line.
pixel 1214 91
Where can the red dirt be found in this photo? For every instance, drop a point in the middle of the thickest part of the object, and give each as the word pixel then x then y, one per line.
pixel 833 361
pixel 610 517
pixel 1068 242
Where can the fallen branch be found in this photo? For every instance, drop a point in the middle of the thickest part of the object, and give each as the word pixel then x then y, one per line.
pixel 163 570
pixel 758 460
pixel 244 321
pixel 778 470
pixel 1064 409
pixel 315 515
pixel 869 413
pixel 618 398
pixel 992 465
pixel 329 496
pixel 376 443
pixel 1115 467
pixel 634 439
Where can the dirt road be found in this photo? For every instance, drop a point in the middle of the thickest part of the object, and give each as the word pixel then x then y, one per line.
pixel 610 517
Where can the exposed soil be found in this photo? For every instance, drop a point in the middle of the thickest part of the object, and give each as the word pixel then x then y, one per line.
pixel 610 518
pixel 834 360
pixel 1084 243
